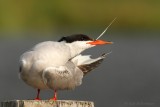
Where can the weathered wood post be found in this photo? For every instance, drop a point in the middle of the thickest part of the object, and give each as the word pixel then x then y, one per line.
pixel 47 103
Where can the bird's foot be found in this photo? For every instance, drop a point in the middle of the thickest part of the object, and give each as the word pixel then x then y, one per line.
pixel 38 92
pixel 54 98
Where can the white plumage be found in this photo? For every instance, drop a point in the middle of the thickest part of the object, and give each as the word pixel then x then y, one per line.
pixel 56 65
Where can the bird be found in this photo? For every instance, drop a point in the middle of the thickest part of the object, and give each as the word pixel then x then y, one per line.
pixel 59 65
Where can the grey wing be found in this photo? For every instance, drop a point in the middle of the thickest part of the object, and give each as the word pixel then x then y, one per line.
pixel 62 77
pixel 89 64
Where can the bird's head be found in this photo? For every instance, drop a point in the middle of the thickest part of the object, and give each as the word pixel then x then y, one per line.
pixel 81 42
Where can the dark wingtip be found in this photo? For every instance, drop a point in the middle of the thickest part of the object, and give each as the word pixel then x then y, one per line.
pixel 86 68
pixel 105 54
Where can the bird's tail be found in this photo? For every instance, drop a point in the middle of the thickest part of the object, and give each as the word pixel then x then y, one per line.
pixel 87 64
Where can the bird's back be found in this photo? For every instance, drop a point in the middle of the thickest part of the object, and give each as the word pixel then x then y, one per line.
pixel 54 53
pixel 50 53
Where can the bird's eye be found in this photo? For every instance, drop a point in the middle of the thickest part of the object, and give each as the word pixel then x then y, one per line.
pixel 82 38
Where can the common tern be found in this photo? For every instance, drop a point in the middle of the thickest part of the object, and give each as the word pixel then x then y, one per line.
pixel 59 65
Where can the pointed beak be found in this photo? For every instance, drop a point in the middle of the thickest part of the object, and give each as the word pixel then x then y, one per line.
pixel 99 42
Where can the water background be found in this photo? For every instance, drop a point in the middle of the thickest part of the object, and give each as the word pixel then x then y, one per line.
pixel 129 76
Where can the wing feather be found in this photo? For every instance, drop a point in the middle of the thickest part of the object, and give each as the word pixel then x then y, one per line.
pixel 87 64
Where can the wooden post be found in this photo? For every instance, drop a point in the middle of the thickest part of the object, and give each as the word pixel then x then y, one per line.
pixel 47 103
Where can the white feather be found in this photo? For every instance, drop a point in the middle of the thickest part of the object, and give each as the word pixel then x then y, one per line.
pixel 106 29
pixel 46 55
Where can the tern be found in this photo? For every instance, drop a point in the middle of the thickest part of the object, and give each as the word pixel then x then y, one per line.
pixel 59 65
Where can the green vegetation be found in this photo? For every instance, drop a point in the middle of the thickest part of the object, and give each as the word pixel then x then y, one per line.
pixel 24 15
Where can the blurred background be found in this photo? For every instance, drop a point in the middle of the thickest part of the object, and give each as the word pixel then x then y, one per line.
pixel 130 75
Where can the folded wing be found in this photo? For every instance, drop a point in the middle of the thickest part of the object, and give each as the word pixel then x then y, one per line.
pixel 62 77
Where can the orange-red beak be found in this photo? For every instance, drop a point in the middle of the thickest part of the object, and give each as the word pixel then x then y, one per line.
pixel 99 42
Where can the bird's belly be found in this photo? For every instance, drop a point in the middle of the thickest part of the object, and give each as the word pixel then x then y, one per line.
pixel 33 79
pixel 62 84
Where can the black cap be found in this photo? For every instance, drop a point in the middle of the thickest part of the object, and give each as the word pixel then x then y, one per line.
pixel 76 37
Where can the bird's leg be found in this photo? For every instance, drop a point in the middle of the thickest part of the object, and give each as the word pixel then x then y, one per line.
pixel 38 92
pixel 55 96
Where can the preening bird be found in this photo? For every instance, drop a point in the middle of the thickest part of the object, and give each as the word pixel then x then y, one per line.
pixel 59 65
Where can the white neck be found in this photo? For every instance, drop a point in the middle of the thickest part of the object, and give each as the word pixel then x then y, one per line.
pixel 78 47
